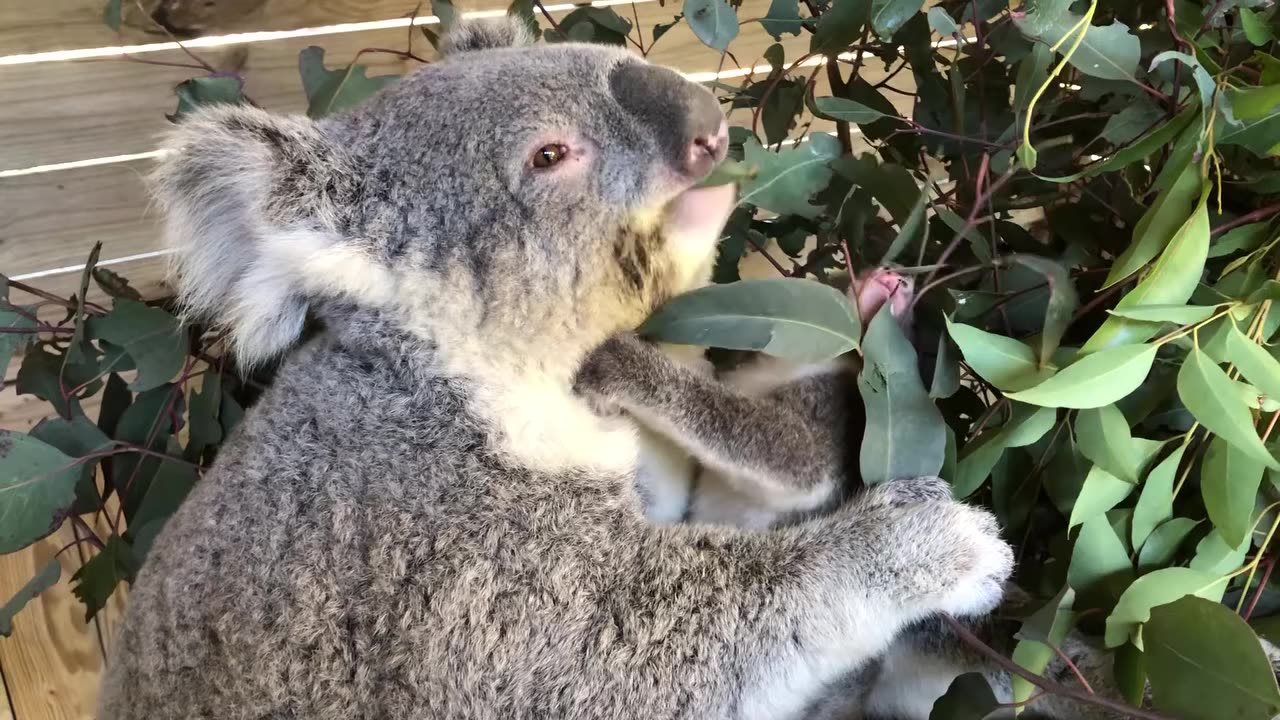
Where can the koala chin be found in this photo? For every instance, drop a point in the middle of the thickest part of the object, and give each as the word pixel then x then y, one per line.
pixel 421 518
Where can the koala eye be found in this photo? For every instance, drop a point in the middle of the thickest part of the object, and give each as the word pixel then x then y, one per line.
pixel 549 155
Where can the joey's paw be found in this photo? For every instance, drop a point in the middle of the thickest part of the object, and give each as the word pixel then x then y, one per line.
pixel 972 560
pixel 912 491
pixel 621 364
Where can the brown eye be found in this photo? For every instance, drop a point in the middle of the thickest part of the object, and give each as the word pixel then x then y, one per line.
pixel 549 155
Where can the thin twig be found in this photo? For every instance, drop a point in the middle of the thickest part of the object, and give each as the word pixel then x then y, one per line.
pixel 1043 683
pixel 1262 585
pixel 1259 214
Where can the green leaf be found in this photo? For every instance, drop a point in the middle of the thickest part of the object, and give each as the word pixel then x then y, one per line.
pixel 1004 362
pixel 1103 437
pixel 1149 144
pixel 1255 28
pixel 1131 674
pixel 946 370
pixel 1042 16
pixel 1163 543
pixel 840 26
pixel 1063 301
pixel 595 24
pixel 43 580
pixel 1171 280
pixel 97 579
pixel 1094 380
pixel 1032 71
pixel 1255 363
pixel 37 488
pixel 1050 624
pixel 1155 504
pixel 75 348
pixel 1152 590
pixel 1210 396
pixel 204 430
pixel 1099 561
pixel 1101 492
pixel 1256 119
pixel 905 435
pixel 787 317
pixel 171 484
pixel 914 226
pixel 1027 425
pixel 834 108
pixel 1205 663
pixel 784 181
pixel 1203 80
pixel 1176 314
pixel 969 697
pixel 112 15
pixel 12 342
pixel 151 336
pixel 783 18
pixel 1215 557
pixel 1229 482
pixel 1109 52
pixel 75 438
pixel 1132 120
pixel 888 16
pixel 208 90
pixel 713 21
pixel 662 29
pixel 329 91
pixel 942 23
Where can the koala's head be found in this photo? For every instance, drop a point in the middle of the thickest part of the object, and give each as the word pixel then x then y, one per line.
pixel 511 198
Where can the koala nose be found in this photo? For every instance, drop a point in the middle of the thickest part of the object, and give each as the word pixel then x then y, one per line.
pixel 704 152
pixel 683 116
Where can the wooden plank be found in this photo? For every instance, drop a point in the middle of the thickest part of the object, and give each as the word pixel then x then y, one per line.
pixel 52 660
pixel 29 27
pixel 6 708
pixel 68 111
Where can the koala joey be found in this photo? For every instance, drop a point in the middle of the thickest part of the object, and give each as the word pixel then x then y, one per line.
pixel 420 518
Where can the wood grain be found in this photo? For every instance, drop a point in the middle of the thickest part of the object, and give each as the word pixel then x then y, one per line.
pixel 6 709
pixel 52 660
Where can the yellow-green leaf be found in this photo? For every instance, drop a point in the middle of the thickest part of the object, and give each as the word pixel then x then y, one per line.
pixel 1229 481
pixel 1212 398
pixel 1094 380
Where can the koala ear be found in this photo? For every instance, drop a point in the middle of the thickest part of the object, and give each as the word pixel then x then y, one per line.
pixel 470 35
pixel 249 199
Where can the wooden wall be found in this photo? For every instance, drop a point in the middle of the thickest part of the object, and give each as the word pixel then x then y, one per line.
pixel 109 108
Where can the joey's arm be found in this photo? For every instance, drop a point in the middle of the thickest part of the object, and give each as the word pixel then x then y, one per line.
pixel 792 440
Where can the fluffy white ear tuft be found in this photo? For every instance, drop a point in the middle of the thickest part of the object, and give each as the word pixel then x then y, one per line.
pixel 471 35
pixel 238 189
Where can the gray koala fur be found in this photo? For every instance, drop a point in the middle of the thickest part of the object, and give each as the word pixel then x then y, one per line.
pixel 420 519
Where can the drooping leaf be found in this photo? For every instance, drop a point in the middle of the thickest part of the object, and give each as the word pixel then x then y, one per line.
pixel 840 26
pixel 96 581
pixel 713 21
pixel 1256 119
pixel 968 698
pixel 168 488
pixel 37 488
pixel 1063 301
pixel 946 370
pixel 1047 626
pixel 1206 664
pixel 915 228
pixel 1155 503
pixel 1160 587
pixel 1163 543
pixel 1229 481
pixel 43 580
pixel 905 434
pixel 1257 365
pixel 783 18
pixel 785 181
pixel 207 90
pixel 1109 52
pixel 329 91
pixel 151 336
pixel 1099 562
pixel 1204 82
pixel 1215 557
pixel 1144 147
pixel 1101 492
pixel 787 317
pixel 1210 396
pixel 1094 380
pixel 1172 279
pixel 1103 436
pixel 204 430
pixel 75 438
pixel 1004 362
pixel 847 110
pixel 887 16
pixel 1177 314
pixel 1032 71
pixel 1132 121
pixel 1255 28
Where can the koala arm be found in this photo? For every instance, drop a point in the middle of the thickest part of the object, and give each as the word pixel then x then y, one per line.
pixel 788 445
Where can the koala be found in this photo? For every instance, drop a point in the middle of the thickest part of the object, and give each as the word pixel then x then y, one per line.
pixel 420 518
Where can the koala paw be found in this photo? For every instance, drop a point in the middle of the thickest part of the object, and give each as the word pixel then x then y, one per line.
pixel 619 366
pixel 951 554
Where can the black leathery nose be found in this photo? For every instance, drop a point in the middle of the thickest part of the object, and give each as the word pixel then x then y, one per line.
pixel 678 112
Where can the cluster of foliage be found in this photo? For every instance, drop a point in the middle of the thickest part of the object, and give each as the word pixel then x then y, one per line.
pixel 1088 194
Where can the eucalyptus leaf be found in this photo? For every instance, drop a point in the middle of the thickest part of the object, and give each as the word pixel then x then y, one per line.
pixel 43 580
pixel 1103 437
pixel 713 21
pixel 1209 394
pixel 1004 362
pixel 969 697
pixel 785 181
pixel 1095 380
pixel 847 110
pixel 888 16
pixel 1155 503
pixel 1098 560
pixel 37 488
pixel 1229 481
pixel 1163 543
pixel 151 336
pixel 783 18
pixel 329 91
pixel 801 320
pixel 1176 314
pixel 1109 52
pixel 1101 492
pixel 1152 590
